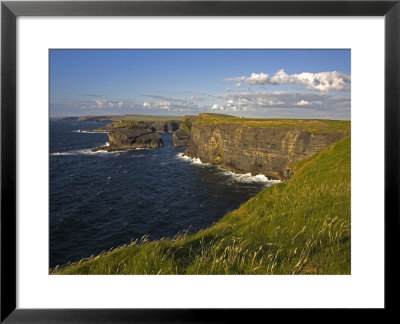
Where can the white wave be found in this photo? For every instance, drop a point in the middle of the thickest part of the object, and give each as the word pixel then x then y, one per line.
pixel 90 152
pixel 97 152
pixel 79 152
pixel 105 152
pixel 248 177
pixel 192 160
pixel 87 131
pixel 198 161
pixel 245 177
pixel 61 153
pixel 74 152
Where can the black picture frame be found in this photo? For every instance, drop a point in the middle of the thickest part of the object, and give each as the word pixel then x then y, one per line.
pixel 10 10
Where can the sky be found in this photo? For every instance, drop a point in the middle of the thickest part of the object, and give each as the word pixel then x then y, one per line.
pixel 249 83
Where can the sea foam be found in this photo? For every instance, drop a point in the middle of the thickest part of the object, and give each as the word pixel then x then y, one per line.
pixel 245 177
pixel 87 131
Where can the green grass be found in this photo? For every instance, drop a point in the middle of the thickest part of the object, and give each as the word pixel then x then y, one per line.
pixel 301 226
pixel 312 125
pixel 128 123
pixel 185 126
pixel 187 122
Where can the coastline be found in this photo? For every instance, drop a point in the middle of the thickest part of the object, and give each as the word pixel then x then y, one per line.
pixel 229 231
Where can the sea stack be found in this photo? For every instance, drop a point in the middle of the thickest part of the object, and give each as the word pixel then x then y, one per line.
pixel 126 135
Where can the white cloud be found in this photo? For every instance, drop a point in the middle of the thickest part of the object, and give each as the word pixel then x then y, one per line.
pixel 322 81
pixel 236 101
pixel 216 107
pixel 254 101
pixel 280 77
pixel 303 103
pixel 163 105
pixel 102 104
pixel 254 79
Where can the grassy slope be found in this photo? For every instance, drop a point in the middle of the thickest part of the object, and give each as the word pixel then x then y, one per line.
pixel 300 226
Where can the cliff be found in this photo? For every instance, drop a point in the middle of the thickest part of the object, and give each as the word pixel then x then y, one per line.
pixel 104 129
pixel 181 137
pixel 130 135
pixel 161 126
pixel 258 146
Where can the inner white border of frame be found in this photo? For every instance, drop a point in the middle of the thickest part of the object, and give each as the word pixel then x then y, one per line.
pixel 363 288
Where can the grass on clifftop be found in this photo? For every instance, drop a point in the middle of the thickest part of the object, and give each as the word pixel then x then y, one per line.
pixel 312 125
pixel 129 124
pixel 301 226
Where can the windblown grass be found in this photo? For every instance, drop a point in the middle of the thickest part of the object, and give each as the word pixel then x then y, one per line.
pixel 301 226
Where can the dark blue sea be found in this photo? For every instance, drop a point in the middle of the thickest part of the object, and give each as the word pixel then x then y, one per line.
pixel 102 200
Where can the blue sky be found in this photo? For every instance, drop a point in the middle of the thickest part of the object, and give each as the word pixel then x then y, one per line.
pixel 251 83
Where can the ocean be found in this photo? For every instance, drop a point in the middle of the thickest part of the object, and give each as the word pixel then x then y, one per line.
pixel 102 200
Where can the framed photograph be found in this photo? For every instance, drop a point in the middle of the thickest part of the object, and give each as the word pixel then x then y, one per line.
pixel 196 160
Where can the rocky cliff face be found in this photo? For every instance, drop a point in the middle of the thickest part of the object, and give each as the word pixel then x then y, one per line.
pixel 168 126
pixel 135 135
pixel 104 129
pixel 181 136
pixel 259 149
